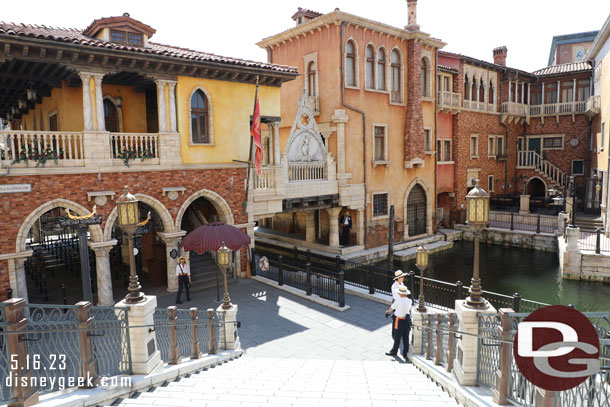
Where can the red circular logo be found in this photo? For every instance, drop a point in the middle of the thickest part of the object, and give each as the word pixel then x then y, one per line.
pixel 556 348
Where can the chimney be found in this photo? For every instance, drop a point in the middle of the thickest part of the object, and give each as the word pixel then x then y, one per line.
pixel 303 15
pixel 500 55
pixel 412 26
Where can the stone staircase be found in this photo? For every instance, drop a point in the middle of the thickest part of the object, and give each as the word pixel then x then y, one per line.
pixel 253 381
pixel 553 175
pixel 203 273
pixel 589 223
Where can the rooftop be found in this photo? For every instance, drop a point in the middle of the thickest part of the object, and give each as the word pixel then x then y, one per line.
pixel 572 67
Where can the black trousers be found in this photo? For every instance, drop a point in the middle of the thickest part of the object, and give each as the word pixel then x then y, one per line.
pixel 402 332
pixel 393 324
pixel 183 281
pixel 345 236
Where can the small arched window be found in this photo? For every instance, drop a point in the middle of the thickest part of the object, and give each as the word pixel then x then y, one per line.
pixel 466 86
pixel 350 63
pixel 396 82
pixel 110 117
pixel 370 67
pixel 311 79
pixel 481 91
pixel 491 99
pixel 381 69
pixel 424 78
pixel 199 118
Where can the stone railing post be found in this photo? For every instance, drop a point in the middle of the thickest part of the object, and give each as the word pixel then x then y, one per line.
pixel 174 350
pixel 465 364
pixel 230 326
pixel 524 205
pixel 544 398
pixel 195 348
pixel 418 331
pixel 503 372
pixel 428 336
pixel 212 331
pixel 561 223
pixel 451 343
pixel 573 235
pixel 439 340
pixel 24 394
pixel 88 363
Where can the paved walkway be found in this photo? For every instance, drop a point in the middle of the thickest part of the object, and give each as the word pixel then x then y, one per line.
pixel 301 353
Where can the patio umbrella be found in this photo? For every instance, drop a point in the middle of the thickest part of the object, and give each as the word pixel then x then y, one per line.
pixel 211 236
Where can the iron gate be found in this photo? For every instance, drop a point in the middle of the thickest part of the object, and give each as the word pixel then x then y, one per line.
pixel 416 211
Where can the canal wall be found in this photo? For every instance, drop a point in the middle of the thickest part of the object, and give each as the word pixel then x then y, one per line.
pixel 516 238
pixel 577 264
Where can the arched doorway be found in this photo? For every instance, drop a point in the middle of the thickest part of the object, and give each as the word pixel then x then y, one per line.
pixel 199 212
pixel 111 117
pixel 416 211
pixel 536 188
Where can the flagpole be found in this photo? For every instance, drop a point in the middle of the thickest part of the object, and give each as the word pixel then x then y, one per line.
pixel 245 205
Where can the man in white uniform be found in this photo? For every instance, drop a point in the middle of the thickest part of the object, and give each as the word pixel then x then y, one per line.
pixel 402 321
pixel 183 275
pixel 399 277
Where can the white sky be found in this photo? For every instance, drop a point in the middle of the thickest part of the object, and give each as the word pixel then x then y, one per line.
pixel 232 27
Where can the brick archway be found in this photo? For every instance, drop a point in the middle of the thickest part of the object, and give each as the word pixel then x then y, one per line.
pixel 222 207
pixel 159 208
pixel 96 230
pixel 429 206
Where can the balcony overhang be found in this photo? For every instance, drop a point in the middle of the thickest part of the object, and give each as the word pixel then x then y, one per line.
pixel 310 202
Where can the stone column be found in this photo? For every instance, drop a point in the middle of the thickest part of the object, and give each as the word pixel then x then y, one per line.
pixel 418 319
pixel 340 118
pixel 465 366
pixel 87 114
pixel 104 273
pixel 171 241
pixel 524 207
pixel 16 273
pixel 360 228
pixel 145 355
pixel 310 226
pixel 172 106
pixel 229 330
pixel 333 217
pixel 99 101
pixel 161 105
pixel 275 128
pixel 561 218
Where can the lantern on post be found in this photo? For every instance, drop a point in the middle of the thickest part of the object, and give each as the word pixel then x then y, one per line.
pixel 421 261
pixel 224 260
pixel 477 216
pixel 128 221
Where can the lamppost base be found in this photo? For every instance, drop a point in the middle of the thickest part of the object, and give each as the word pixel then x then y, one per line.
pixel 134 299
pixel 476 303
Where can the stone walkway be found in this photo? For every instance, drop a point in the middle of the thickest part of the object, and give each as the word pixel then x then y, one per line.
pixel 300 353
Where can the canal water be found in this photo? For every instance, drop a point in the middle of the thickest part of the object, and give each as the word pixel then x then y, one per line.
pixel 508 270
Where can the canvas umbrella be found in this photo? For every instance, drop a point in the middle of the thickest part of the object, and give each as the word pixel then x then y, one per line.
pixel 212 235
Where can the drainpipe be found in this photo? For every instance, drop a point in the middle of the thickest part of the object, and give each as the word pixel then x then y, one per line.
pixel 505 137
pixel 435 145
pixel 363 129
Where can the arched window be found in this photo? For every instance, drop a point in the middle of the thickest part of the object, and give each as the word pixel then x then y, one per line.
pixel 481 91
pixel 350 63
pixel 370 67
pixel 466 88
pixel 199 118
pixel 396 82
pixel 381 69
pixel 424 78
pixel 491 99
pixel 311 79
pixel 110 117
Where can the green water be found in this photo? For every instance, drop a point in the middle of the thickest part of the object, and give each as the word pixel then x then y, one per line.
pixel 507 270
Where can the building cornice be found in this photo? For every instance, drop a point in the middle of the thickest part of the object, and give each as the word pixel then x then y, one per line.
pixel 600 40
pixel 336 18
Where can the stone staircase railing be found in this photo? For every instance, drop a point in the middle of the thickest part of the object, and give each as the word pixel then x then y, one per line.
pixel 531 159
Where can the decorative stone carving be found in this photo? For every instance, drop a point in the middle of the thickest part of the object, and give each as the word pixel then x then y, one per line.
pixel 101 200
pixel 100 197
pixel 172 192
pixel 305 143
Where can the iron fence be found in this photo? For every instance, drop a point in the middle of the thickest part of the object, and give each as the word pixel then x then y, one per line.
pixel 515 221
pixel 519 390
pixel 488 351
pixel 595 241
pixel 5 359
pixel 439 339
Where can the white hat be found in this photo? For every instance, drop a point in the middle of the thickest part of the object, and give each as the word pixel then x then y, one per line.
pixel 399 273
pixel 402 289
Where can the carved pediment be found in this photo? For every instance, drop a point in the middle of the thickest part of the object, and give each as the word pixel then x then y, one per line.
pixel 305 142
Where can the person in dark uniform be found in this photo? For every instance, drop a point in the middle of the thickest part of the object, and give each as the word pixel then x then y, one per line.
pixel 346 224
pixel 183 275
pixel 402 323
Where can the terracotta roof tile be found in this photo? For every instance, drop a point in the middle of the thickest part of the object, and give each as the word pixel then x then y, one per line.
pixel 572 67
pixel 76 36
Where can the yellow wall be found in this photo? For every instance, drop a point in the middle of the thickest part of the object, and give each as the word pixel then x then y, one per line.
pixel 232 105
pixel 134 107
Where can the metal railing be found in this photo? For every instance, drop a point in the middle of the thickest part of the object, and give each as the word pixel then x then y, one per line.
pixel 53 147
pixel 188 333
pixel 307 171
pixel 531 223
pixel 596 241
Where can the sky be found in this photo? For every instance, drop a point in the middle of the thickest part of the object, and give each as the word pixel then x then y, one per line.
pixel 232 27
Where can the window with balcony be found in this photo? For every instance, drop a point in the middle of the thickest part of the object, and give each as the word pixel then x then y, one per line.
pixel 536 95
pixel 369 70
pixel 582 89
pixel 381 69
pixel 474 146
pixel 350 64
pixel 380 205
pixel 396 97
pixel 380 152
pixel 199 119
pixel 110 116
pixel 53 126
pixel 467 88
pixel 481 91
pixel 312 88
pixel 550 91
pixel 492 96
pixel 567 91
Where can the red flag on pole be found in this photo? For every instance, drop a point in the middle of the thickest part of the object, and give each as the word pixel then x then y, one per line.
pixel 256 135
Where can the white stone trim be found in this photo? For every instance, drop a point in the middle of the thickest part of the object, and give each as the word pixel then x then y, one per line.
pixel 99 101
pixel 210 117
pixel 428 85
pixel 220 204
pixel 356 63
pixel 385 142
pixel 87 113
pixel 313 57
pixel 366 47
pixel 429 206
pixel 161 105
pixel 388 204
pixel 402 76
pixel 172 106
pixel 386 68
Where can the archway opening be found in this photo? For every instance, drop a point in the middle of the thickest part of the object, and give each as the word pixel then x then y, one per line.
pixel 416 211
pixel 198 213
pixel 536 189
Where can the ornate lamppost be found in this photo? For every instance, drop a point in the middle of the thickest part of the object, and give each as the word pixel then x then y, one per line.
pixel 224 259
pixel 128 221
pixel 421 261
pixel 477 215
pixel 573 196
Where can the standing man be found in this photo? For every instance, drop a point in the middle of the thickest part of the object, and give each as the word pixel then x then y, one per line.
pixel 346 224
pixel 399 277
pixel 183 274
pixel 402 323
